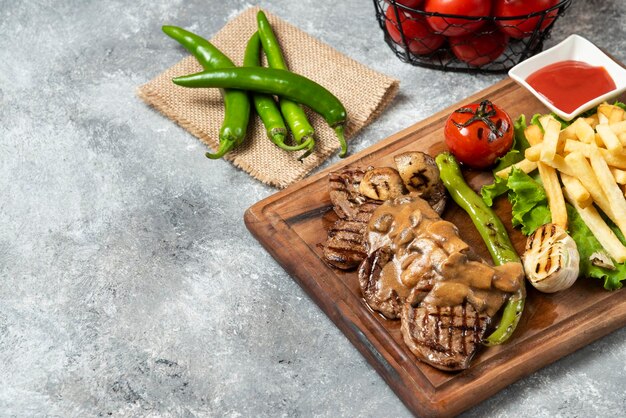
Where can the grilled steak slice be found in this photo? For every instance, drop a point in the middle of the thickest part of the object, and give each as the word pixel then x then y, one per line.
pixel 446 337
pixel 344 192
pixel 345 246
pixel 388 300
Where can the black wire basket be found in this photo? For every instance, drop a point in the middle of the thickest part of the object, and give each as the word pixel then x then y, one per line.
pixel 474 44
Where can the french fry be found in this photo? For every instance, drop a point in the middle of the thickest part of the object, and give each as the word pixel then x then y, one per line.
pixel 622 138
pixel 613 193
pixel 567 133
pixel 584 173
pixel 525 165
pixel 602 119
pixel 559 163
pixel 613 160
pixel 605 236
pixel 605 109
pixel 592 120
pixel 618 127
pixel 584 131
pixel 577 191
pixel 551 133
pixel 533 153
pixel 609 139
pixel 612 112
pixel 533 134
pixel 619 175
pixel 617 115
pixel 551 184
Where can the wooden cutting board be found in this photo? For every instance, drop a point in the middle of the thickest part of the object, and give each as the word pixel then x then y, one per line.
pixel 292 224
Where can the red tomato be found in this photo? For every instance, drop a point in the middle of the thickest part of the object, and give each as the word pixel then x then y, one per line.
pixel 413 4
pixel 418 35
pixel 478 134
pixel 521 28
pixel 478 49
pixel 452 26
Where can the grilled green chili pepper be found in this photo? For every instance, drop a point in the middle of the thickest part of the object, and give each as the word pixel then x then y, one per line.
pixel 293 112
pixel 492 232
pixel 266 106
pixel 280 83
pixel 236 102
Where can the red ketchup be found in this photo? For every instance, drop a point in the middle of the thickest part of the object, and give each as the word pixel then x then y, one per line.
pixel 570 84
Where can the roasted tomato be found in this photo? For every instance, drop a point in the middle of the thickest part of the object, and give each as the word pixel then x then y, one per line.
pixel 521 28
pixel 419 36
pixel 479 48
pixel 453 26
pixel 478 134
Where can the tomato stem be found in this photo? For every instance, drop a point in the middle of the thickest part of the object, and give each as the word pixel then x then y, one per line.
pixel 484 111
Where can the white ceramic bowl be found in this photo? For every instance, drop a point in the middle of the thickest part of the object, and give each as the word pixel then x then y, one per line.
pixel 573 48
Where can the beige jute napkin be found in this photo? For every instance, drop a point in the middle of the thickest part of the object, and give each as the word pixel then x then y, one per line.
pixel 363 92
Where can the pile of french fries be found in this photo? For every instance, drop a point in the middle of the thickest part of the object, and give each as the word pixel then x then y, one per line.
pixel 589 157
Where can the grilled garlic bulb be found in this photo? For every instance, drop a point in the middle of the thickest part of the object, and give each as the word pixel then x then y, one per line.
pixel 551 259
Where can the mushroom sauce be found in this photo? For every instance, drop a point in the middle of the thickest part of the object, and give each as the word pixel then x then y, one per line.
pixel 425 247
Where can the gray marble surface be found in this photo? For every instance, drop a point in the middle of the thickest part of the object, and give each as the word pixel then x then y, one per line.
pixel 129 284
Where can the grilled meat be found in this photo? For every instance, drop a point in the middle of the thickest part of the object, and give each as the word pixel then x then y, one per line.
pixel 446 337
pixel 419 267
pixel 344 192
pixel 345 246
pixel 388 303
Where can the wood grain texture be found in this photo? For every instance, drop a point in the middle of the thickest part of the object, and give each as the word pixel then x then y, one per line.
pixel 292 224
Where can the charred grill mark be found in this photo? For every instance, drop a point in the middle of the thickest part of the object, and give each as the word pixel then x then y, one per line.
pixel 450 329
pixel 549 259
pixel 463 329
pixel 419 178
pixel 353 241
pixel 438 324
pixel 345 250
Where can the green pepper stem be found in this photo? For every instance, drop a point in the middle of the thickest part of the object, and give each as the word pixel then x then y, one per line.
pixel 342 141
pixel 279 140
pixel 310 146
pixel 225 146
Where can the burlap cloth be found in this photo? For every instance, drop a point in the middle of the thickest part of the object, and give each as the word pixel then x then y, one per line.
pixel 363 92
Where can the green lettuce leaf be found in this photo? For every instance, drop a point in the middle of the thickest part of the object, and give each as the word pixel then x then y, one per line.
pixel 530 203
pixel 520 143
pixel 490 192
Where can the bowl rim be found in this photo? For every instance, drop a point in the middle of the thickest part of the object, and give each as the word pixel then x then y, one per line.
pixel 536 62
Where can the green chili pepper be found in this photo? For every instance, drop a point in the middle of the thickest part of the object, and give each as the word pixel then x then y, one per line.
pixel 236 102
pixel 294 114
pixel 266 106
pixel 494 234
pixel 276 82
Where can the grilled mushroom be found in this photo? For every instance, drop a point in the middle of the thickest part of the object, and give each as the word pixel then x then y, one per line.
pixel 420 174
pixel 382 183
